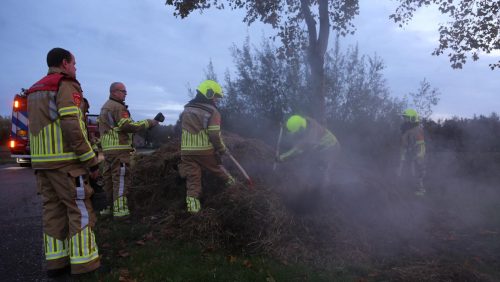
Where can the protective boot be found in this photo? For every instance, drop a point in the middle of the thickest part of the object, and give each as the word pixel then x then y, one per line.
pixel 193 205
pixel 230 181
pixel 105 212
pixel 421 189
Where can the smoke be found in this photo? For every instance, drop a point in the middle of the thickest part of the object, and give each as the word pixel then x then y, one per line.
pixel 360 203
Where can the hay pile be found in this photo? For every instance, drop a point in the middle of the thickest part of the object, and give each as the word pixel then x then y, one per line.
pixel 362 216
pixel 279 216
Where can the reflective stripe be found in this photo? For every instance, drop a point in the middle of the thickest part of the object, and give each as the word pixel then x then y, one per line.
pixel 214 127
pixel 110 141
pixel 87 156
pixel 137 123
pixel 118 147
pixel 80 202
pixel 58 133
pixel 83 128
pixel 328 140
pixel 47 146
pixel 83 247
pixel 121 185
pixel 120 207
pixel 54 248
pixel 72 110
pixel 193 204
pixel 198 141
pixel 53 158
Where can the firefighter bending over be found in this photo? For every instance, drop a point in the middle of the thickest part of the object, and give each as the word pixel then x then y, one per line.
pixel 318 143
pixel 412 157
pixel 202 145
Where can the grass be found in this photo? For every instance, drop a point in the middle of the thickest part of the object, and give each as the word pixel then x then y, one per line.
pixel 133 254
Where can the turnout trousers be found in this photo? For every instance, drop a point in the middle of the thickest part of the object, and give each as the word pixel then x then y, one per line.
pixel 191 169
pixel 117 180
pixel 415 170
pixel 68 220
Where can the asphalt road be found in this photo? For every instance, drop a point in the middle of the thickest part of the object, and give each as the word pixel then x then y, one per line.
pixel 21 253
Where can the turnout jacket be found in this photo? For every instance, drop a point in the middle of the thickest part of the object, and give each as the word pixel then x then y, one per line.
pixel 314 137
pixel 116 127
pixel 58 136
pixel 201 133
pixel 413 143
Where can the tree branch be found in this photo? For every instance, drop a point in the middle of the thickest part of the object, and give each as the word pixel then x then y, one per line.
pixel 310 22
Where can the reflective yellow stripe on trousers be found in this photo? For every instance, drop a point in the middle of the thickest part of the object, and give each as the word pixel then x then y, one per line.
pixel 120 205
pixel 83 246
pixel 54 248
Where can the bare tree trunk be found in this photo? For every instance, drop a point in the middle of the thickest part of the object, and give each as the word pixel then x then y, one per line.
pixel 316 56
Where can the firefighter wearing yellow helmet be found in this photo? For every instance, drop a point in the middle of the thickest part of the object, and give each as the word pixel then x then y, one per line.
pixel 317 147
pixel 412 156
pixel 308 135
pixel 201 144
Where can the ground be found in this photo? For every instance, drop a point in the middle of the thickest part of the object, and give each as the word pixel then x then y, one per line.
pixel 364 225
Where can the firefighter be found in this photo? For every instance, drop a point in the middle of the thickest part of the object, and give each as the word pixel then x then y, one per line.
pixel 116 128
pixel 63 160
pixel 202 145
pixel 412 156
pixel 317 143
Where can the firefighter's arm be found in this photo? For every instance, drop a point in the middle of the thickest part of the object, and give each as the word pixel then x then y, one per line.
pixel 73 127
pixel 214 133
pixel 127 125
pixel 290 153
pixel 302 144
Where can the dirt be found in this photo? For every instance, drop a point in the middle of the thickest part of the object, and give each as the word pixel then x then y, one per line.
pixel 363 215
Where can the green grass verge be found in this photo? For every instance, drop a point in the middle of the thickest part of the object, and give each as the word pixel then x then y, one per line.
pixel 131 257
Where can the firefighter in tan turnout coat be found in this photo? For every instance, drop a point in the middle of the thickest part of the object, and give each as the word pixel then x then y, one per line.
pixel 317 146
pixel 62 157
pixel 412 157
pixel 116 128
pixel 202 145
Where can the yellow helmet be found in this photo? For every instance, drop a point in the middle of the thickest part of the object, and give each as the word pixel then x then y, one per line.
pixel 411 115
pixel 209 89
pixel 296 123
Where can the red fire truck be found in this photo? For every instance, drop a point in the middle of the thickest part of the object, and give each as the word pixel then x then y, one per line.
pixel 19 143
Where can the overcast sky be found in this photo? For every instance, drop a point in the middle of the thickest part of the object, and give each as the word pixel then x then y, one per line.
pixel 158 56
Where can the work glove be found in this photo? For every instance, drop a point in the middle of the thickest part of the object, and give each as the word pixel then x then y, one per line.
pixel 218 159
pixel 94 172
pixel 153 123
pixel 222 151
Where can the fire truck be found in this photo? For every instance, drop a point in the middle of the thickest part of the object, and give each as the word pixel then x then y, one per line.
pixel 19 142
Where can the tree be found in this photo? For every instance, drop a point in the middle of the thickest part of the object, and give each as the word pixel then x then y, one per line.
pixel 425 98
pixel 4 130
pixel 288 17
pixel 474 27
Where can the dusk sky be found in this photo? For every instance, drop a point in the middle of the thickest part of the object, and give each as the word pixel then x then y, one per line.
pixel 159 56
